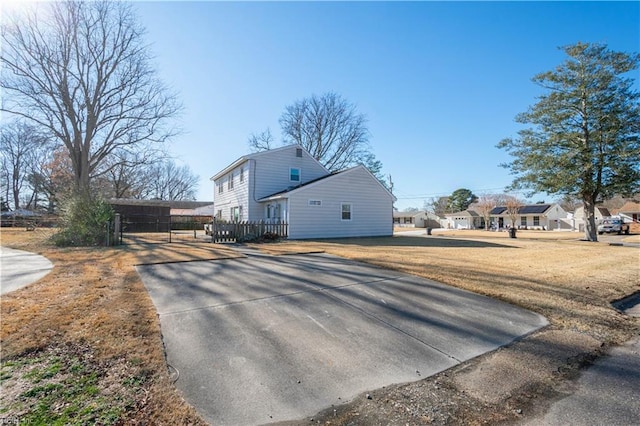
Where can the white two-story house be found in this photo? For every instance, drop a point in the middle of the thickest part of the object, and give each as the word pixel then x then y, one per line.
pixel 288 184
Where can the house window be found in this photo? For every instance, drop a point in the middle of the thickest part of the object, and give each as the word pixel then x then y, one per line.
pixel 299 152
pixel 346 211
pixel 219 214
pixel 240 215
pixel 242 174
pixel 294 175
pixel 220 188
pixel 235 214
pixel 536 221
pixel 523 221
pixel 315 202
pixel 230 182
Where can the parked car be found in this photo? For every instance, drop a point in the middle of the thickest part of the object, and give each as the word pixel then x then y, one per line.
pixel 610 225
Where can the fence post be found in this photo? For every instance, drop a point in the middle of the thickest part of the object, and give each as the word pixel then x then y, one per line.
pixel 116 230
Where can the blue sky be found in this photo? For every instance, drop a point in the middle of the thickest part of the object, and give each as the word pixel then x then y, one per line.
pixel 440 82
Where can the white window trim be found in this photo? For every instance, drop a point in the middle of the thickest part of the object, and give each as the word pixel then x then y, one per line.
pixel 350 211
pixel 299 174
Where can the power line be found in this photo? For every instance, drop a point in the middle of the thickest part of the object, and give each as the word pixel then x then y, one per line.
pixel 445 194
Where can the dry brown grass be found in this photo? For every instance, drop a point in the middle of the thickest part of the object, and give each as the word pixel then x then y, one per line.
pixel 94 298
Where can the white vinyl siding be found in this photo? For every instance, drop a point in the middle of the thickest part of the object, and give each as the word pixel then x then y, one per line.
pixel 262 174
pixel 271 173
pixel 371 207
pixel 235 195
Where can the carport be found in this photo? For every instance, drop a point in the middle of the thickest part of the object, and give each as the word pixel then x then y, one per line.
pixel 264 339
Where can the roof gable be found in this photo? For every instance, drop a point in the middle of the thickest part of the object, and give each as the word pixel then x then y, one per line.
pixel 257 155
pixel 630 207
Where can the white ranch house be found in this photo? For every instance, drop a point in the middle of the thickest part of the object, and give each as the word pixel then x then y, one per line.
pixel 534 216
pixel 466 219
pixel 288 184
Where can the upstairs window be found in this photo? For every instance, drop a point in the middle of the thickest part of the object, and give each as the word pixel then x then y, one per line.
pixel 242 174
pixel 230 182
pixel 294 175
pixel 315 202
pixel 299 152
pixel 220 187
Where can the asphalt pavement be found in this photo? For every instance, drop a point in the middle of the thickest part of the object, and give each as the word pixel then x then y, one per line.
pixel 607 393
pixel 265 339
pixel 20 268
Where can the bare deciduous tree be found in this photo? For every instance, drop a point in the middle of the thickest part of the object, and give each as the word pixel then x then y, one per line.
pixel 329 128
pixel 262 141
pixel 513 205
pixel 125 173
pixel 81 72
pixel 484 204
pixel 23 148
pixel 169 181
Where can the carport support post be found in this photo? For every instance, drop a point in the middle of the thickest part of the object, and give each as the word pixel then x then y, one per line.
pixel 116 229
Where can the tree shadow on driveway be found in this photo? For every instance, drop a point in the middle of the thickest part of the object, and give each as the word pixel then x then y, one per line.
pixel 416 241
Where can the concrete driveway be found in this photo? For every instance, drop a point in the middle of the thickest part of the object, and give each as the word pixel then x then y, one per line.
pixel 20 268
pixel 264 339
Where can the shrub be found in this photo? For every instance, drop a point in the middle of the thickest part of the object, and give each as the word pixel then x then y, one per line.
pixel 270 236
pixel 84 222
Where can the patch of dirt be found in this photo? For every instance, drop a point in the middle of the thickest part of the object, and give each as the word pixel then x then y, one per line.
pixel 502 387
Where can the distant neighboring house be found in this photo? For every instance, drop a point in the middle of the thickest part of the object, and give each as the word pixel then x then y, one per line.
pixel 288 184
pixel 534 216
pixel 578 220
pixel 466 219
pixel 420 219
pixel 630 211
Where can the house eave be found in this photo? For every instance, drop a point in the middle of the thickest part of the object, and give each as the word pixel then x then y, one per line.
pixel 229 168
